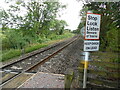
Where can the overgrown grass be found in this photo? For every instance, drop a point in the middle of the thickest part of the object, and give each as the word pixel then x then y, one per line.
pixel 13 53
pixel 10 54
pixel 109 63
pixel 35 47
pixel 106 56
pixel 57 37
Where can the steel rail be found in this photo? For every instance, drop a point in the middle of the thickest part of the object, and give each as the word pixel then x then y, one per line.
pixel 19 60
pixel 39 63
pixel 30 55
pixel 49 57
pixel 16 73
pixel 10 79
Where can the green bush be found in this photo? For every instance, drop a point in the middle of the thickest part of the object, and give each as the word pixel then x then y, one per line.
pixel 10 54
pixel 112 40
pixel 42 39
pixel 13 39
pixel 57 37
pixel 35 47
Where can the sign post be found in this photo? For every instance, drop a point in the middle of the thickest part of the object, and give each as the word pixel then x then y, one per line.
pixel 91 39
pixel 85 69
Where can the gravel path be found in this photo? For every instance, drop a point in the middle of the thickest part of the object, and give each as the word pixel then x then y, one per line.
pixel 45 80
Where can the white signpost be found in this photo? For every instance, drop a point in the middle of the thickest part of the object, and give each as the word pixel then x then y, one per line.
pixel 92 31
pixel 91 39
pixel 92 26
pixel 91 45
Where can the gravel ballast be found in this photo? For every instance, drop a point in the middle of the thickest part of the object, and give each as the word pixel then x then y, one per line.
pixel 51 74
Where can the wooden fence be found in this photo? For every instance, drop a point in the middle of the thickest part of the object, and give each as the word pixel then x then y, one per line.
pixel 99 75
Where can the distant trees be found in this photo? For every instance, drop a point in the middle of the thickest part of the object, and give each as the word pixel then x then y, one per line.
pixel 110 23
pixel 39 21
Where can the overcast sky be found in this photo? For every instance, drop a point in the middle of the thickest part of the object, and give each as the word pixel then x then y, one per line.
pixel 70 14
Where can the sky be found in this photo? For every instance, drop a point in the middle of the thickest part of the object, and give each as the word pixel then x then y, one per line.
pixel 70 14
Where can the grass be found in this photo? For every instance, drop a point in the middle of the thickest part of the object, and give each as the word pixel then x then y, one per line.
pixel 106 56
pixel 35 47
pixel 107 64
pixel 106 70
pixel 15 53
pixel 108 60
pixel 8 55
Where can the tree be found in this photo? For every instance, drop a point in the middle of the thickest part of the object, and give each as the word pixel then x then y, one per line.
pixel 38 21
pixel 3 20
pixel 83 19
pixel 58 26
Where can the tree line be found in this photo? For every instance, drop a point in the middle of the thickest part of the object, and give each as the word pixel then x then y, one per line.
pixel 30 22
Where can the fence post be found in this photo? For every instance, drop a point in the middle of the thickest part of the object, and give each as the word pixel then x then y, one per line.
pixel 68 78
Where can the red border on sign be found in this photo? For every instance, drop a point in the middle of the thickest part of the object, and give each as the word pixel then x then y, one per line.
pixel 93 13
pixel 91 39
pixel 85 28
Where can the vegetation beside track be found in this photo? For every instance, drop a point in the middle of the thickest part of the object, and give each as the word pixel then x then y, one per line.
pixel 35 29
pixel 106 68
pixel 12 53
pixel 106 60
pixel 107 56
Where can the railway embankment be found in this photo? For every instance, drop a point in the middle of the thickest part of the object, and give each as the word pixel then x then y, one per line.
pixel 66 60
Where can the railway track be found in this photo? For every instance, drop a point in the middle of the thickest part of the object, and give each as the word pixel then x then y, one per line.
pixel 23 67
pixel 27 61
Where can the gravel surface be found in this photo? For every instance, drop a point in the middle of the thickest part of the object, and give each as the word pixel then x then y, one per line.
pixel 68 58
pixel 55 69
pixel 59 64
pixel 45 80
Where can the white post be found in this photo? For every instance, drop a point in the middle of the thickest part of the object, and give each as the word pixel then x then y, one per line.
pixel 85 69
pixel 86 64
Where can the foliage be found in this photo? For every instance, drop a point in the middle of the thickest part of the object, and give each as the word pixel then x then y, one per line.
pixel 110 23
pixel 112 39
pixel 12 53
pixel 108 56
pixel 35 26
pixel 35 47
pixel 28 24
pixel 13 39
